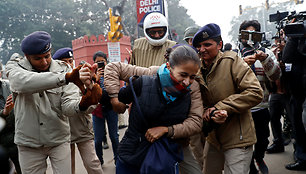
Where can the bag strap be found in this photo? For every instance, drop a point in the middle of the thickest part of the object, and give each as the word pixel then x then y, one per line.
pixel 136 101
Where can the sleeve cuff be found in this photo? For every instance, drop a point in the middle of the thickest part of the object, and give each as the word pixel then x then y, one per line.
pixel 267 59
pixel 170 131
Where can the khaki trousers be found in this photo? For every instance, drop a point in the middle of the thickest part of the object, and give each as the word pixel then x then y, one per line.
pixel 197 143
pixel 233 161
pixel 89 157
pixel 34 160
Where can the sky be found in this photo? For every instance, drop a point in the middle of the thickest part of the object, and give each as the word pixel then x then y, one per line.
pixel 222 11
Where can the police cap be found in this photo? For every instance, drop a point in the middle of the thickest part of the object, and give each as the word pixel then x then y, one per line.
pixel 208 31
pixel 63 53
pixel 38 42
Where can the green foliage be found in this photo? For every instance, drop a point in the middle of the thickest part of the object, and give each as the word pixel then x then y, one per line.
pixel 66 20
pixel 178 18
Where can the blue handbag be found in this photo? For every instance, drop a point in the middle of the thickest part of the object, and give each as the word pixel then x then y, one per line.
pixel 163 155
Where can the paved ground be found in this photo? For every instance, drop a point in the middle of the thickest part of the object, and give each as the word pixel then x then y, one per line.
pixel 275 162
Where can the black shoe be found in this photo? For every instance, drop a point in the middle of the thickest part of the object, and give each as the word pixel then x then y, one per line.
pixel 299 165
pixel 262 166
pixel 105 145
pixel 122 126
pixel 275 148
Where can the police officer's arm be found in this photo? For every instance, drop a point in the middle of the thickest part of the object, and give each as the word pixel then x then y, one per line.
pixel 250 92
pixel 24 81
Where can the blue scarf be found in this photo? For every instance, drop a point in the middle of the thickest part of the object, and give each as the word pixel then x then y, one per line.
pixel 169 89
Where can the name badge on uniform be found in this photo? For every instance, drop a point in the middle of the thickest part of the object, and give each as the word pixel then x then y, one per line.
pixel 288 67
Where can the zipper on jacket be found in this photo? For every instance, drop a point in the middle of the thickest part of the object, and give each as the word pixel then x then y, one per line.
pixel 240 137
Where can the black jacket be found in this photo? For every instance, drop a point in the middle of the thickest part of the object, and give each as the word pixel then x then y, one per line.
pixel 297 75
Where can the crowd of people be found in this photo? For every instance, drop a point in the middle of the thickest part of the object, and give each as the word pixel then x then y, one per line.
pixel 205 106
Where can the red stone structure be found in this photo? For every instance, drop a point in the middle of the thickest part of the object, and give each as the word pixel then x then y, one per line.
pixel 85 47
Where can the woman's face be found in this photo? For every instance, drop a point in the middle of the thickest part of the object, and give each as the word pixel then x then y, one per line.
pixel 209 49
pixel 184 73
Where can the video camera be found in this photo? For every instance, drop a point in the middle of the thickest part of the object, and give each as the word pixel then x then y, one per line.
pixel 294 25
pixel 297 25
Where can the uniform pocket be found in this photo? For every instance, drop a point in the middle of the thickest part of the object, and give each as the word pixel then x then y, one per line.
pixel 54 96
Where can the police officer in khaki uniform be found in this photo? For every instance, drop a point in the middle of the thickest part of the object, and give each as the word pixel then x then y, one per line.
pixel 43 98
pixel 226 83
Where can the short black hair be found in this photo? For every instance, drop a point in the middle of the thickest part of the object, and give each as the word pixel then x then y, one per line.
pixel 227 47
pixel 217 39
pixel 245 24
pixel 99 54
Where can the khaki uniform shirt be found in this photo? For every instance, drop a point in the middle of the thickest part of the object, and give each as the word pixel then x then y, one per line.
pixel 231 85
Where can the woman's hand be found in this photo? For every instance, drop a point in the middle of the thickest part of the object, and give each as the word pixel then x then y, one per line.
pixel 155 133
pixel 86 74
pixel 9 105
pixel 219 116
pixel 206 115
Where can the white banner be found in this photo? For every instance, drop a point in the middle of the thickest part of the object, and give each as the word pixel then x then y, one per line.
pixel 114 51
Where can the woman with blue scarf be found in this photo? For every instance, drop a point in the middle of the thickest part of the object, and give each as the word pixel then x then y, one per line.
pixel 168 106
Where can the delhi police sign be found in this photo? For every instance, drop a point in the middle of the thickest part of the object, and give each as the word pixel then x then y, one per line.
pixel 145 7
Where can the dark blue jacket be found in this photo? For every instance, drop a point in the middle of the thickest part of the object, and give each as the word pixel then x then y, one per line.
pixel 133 146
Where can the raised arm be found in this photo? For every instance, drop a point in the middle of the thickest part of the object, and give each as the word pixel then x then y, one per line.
pixel 25 81
pixel 271 66
pixel 120 71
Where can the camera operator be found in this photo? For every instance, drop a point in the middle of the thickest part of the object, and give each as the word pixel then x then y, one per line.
pixel 278 102
pixel 294 57
pixel 266 68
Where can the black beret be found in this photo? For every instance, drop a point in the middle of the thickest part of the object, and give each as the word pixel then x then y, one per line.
pixel 38 42
pixel 209 31
pixel 63 53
